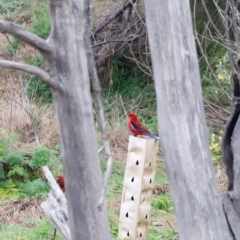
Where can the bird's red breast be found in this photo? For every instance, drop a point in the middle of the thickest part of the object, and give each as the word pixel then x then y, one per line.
pixel 60 181
pixel 135 126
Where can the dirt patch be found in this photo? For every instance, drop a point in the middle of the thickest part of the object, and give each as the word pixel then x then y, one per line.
pixel 160 189
pixel 17 212
pixel 166 222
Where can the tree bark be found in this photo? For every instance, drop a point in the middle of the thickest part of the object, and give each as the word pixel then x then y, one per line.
pixel 67 51
pixel 182 125
pixel 71 41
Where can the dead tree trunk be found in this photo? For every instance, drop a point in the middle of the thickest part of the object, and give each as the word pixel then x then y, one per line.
pixel 67 50
pixel 182 125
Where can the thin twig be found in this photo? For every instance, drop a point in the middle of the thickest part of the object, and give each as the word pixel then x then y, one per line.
pixel 123 106
pixel 126 5
pixel 54 233
pixel 228 36
pixel 102 123
pixel 171 227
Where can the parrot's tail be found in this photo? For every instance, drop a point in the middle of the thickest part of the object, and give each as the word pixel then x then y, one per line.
pixel 154 137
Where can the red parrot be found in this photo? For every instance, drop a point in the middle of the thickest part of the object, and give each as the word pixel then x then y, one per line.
pixel 137 128
pixel 60 181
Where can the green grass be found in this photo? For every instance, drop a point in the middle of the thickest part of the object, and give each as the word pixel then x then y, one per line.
pixel 33 229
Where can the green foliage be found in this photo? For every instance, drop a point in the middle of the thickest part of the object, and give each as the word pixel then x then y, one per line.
pixel 34 188
pixel 163 203
pixel 14 6
pixel 41 21
pixel 19 172
pixel 40 157
pixel 126 81
pixel 211 89
pixel 15 44
pixel 37 89
pixel 19 175
pixel 8 190
pixel 113 226
pixel 215 147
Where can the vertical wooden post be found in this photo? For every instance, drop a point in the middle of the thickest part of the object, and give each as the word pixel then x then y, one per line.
pixel 137 190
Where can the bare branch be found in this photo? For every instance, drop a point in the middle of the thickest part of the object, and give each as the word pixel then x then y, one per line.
pixel 210 19
pixel 120 40
pixel 106 145
pixel 127 4
pixel 208 64
pixel 228 36
pixel 30 69
pixel 25 36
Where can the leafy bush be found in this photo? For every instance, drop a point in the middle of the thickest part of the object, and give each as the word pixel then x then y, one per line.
pixel 163 202
pixel 8 190
pixel 35 188
pixel 20 175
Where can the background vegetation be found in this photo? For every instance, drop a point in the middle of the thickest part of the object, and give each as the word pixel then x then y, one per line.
pixel 129 89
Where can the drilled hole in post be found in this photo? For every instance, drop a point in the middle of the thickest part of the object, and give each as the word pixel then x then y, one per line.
pixel 132 179
pixel 140 234
pixel 150 181
pixel 127 214
pixel 132 198
pixel 143 199
pixel 137 162
pixel 150 164
pixel 128 234
pixel 146 216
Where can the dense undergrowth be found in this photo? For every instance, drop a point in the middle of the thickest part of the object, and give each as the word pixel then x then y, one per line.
pixel 130 90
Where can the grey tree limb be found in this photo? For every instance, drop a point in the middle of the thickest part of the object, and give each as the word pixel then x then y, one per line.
pixel 25 36
pixel 30 69
pixel 83 178
pixel 101 118
pixel 27 68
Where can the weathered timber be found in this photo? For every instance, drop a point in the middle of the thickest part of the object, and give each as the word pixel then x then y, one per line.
pixel 182 125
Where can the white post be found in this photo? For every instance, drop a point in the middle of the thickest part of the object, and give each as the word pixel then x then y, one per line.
pixel 137 188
